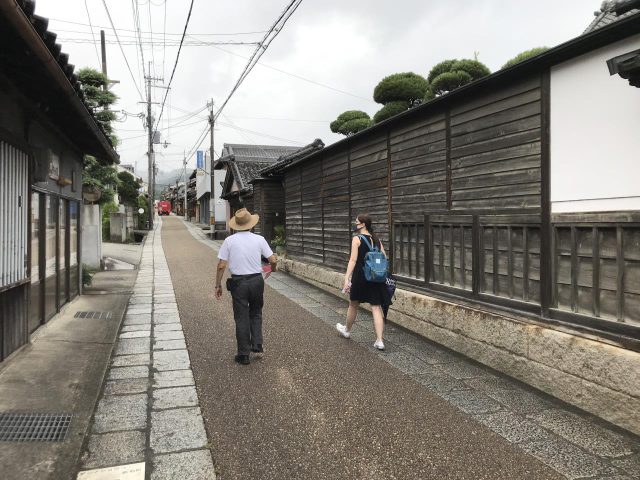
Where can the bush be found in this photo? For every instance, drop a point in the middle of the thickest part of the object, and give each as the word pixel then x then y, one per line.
pixel 278 239
pixel 451 74
pixel 87 275
pixel 525 55
pixel 389 110
pixel 350 122
pixel 405 87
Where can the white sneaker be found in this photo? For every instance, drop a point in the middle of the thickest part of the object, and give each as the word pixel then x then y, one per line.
pixel 379 344
pixel 343 330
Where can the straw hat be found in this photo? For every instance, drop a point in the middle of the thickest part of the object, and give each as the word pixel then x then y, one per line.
pixel 243 220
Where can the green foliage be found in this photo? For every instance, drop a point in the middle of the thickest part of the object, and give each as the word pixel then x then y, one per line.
pixel 87 275
pixel 103 177
pixel 350 122
pixel 354 126
pixel 400 87
pixel 389 110
pixel 91 77
pixel 448 81
pixel 451 74
pixel 128 187
pixel 525 55
pixel 107 210
pixel 278 239
pixel 106 116
pixel 98 98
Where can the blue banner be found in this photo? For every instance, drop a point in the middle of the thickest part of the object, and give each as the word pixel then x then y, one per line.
pixel 200 159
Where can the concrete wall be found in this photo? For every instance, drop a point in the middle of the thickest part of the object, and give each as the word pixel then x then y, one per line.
pixel 598 377
pixel 595 144
pixel 91 235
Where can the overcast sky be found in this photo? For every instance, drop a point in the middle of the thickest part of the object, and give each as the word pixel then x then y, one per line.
pixel 347 46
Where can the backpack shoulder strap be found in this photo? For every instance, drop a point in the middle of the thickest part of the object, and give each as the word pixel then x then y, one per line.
pixel 366 240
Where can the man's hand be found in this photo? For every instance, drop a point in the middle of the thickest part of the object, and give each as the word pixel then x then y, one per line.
pixel 218 291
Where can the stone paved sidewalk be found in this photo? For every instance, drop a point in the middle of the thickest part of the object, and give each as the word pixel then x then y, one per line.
pixel 149 409
pixel 575 444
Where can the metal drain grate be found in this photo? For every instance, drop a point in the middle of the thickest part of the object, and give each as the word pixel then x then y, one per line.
pixel 33 427
pixel 96 315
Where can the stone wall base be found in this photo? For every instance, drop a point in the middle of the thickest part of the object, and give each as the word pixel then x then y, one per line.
pixel 598 377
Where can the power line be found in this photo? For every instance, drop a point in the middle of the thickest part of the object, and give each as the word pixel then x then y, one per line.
pixel 188 43
pixel 230 125
pixel 168 33
pixel 175 65
pixel 95 44
pixel 153 55
pixel 136 23
pixel 273 32
pixel 121 49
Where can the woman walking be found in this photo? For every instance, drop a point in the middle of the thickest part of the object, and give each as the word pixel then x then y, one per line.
pixel 360 290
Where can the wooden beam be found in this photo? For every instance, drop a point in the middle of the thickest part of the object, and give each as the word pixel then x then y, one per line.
pixel 546 253
pixel 620 276
pixel 448 158
pixel 595 284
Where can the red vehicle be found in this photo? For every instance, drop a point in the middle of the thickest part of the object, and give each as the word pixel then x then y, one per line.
pixel 164 208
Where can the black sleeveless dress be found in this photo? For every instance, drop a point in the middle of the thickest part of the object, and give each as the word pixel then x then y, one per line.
pixel 362 290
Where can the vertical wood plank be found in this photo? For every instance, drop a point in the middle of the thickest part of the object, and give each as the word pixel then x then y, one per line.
pixel 428 251
pixel 447 121
pixel 496 251
pixel 389 191
pixel 441 254
pixel 452 256
pixel 595 285
pixel 545 201
pixel 410 258
pixel 477 255
pixel 509 262
pixel 462 252
pixel 402 255
pixel 525 263
pixel 574 269
pixel 620 277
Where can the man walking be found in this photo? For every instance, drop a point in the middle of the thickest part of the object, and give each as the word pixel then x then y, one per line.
pixel 242 252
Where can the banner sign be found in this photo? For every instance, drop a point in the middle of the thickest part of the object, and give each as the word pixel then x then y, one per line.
pixel 200 159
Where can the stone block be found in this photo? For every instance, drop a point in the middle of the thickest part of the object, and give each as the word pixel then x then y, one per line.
pixel 407 363
pixel 130 346
pixel 119 373
pixel 472 401
pixel 126 386
pixel 176 430
pixel 127 412
pixel 137 319
pixel 171 360
pixel 165 327
pixel 159 318
pixel 169 345
pixel 195 465
pixel 613 406
pixel 136 328
pixel 174 397
pixel 131 360
pixel 116 448
pixel 135 334
pixel 521 401
pixel 515 428
pixel 173 378
pixel 168 335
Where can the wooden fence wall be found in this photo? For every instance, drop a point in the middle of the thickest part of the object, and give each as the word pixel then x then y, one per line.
pixel 459 196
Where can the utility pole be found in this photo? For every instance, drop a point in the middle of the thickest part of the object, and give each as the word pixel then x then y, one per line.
pixel 150 153
pixel 103 47
pixel 184 166
pixel 212 199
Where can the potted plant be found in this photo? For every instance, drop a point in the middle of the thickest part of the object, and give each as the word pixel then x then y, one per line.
pixel 278 240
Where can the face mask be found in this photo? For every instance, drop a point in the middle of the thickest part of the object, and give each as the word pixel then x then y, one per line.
pixel 356 228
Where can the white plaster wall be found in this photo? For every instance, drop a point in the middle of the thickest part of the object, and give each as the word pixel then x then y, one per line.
pixel 595 134
pixel 91 235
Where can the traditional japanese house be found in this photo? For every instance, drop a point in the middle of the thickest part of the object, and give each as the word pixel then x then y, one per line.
pixel 45 130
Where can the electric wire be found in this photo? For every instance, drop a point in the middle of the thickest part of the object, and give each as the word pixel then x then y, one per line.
pixel 95 44
pixel 273 32
pixel 175 65
pixel 136 23
pixel 153 55
pixel 122 50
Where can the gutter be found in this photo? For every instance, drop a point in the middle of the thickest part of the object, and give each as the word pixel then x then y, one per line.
pixel 16 16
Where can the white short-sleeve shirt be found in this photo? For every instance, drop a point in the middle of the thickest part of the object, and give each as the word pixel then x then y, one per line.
pixel 243 251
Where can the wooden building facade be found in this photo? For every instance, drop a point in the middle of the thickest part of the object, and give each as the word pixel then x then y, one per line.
pixel 459 191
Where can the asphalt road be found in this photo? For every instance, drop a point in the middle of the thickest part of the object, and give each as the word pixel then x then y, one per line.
pixel 317 406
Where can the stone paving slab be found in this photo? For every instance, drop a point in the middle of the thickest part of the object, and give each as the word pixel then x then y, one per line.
pixel 588 435
pixel 130 346
pixel 171 360
pixel 137 319
pixel 195 465
pixel 131 360
pixel 136 334
pixel 165 318
pixel 174 397
pixel 120 373
pixel 472 401
pixel 116 448
pixel 165 327
pixel 169 345
pixel 514 427
pixel 174 378
pixel 136 328
pixel 169 335
pixel 176 430
pixel 115 413
pixel 126 386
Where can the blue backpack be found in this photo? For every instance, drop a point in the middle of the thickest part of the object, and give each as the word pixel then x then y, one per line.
pixel 375 263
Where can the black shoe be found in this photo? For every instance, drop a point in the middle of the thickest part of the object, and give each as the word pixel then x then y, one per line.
pixel 242 359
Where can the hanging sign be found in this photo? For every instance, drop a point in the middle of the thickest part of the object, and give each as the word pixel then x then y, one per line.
pixel 200 159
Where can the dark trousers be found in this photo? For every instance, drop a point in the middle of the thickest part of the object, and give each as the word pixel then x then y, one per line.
pixel 247 312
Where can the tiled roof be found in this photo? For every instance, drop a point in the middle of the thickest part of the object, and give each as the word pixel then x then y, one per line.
pixel 256 153
pixel 278 168
pixel 244 172
pixel 607 15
